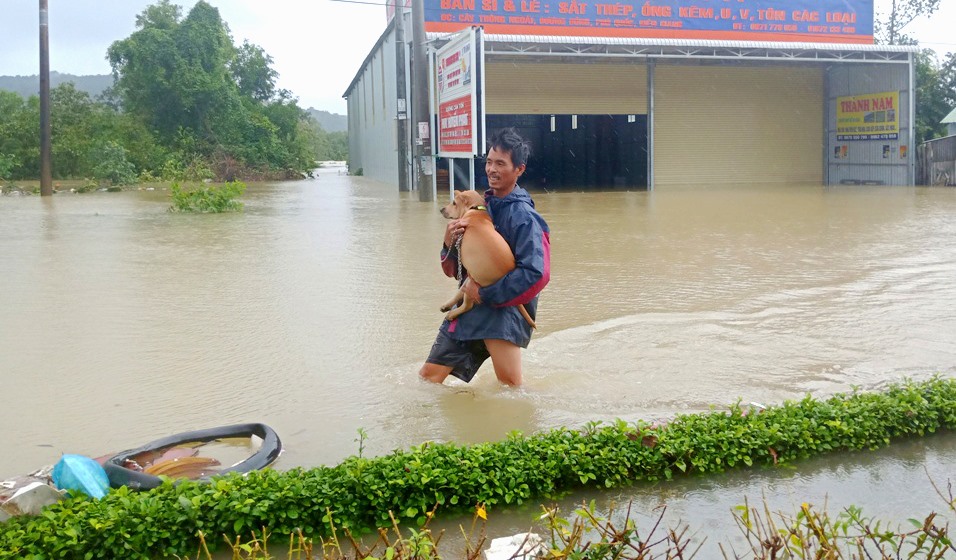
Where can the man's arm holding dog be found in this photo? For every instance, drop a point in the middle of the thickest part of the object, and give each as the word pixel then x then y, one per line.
pixel 449 254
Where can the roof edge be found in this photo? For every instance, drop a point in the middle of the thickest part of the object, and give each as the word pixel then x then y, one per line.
pixel 706 43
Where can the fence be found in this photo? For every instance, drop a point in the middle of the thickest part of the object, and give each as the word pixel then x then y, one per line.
pixel 936 162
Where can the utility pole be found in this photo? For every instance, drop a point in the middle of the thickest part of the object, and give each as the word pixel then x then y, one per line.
pixel 421 117
pixel 402 124
pixel 46 166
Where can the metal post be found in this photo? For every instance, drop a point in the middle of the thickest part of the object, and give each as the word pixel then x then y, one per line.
pixel 432 86
pixel 46 165
pixel 421 116
pixel 650 124
pixel 827 75
pixel 911 136
pixel 451 179
pixel 402 109
pixel 471 172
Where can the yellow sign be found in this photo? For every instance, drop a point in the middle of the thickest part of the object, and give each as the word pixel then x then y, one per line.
pixel 874 116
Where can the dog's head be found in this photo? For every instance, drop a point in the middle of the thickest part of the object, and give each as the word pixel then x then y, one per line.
pixel 463 202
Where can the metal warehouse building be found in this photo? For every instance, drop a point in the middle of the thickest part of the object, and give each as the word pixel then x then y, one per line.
pixel 639 112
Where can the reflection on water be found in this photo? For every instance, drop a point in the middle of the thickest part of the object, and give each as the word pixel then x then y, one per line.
pixel 311 311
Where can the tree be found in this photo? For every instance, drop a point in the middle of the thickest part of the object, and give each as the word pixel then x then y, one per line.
pixel 76 123
pixel 329 146
pixel 948 78
pixel 161 15
pixel 144 68
pixel 931 97
pixel 19 142
pixel 252 69
pixel 934 90
pixel 902 13
pixel 172 73
pixel 205 98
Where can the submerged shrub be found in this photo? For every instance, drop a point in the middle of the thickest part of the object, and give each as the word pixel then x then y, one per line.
pixel 207 198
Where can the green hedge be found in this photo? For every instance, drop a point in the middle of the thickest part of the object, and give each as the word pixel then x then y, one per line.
pixel 360 492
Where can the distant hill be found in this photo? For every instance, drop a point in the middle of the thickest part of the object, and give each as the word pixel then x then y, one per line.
pixel 30 85
pixel 330 122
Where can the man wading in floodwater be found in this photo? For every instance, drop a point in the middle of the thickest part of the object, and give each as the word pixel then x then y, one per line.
pixel 496 328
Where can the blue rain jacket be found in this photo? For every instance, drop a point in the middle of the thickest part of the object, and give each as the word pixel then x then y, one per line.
pixel 528 235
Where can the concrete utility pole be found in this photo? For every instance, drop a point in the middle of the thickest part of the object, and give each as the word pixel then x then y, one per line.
pixel 46 165
pixel 402 124
pixel 422 118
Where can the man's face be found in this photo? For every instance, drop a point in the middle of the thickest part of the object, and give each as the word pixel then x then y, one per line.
pixel 501 171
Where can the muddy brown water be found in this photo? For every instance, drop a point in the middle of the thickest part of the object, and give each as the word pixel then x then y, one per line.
pixel 312 310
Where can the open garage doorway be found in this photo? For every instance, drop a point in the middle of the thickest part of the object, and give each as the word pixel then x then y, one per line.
pixel 579 152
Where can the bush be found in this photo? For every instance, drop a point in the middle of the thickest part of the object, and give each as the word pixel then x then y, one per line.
pixel 89 185
pixel 207 198
pixel 6 166
pixel 186 168
pixel 362 493
pixel 111 164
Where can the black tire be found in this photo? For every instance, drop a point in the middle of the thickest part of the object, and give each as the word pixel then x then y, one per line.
pixel 271 447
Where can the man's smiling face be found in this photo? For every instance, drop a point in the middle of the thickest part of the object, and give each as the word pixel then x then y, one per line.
pixel 501 171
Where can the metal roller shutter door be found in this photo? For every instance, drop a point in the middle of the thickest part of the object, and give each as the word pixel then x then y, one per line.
pixel 738 125
pixel 565 89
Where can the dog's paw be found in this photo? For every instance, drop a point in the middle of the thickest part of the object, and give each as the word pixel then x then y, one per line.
pixel 445 308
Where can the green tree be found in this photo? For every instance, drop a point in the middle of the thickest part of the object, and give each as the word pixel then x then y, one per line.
pixel 112 164
pixel 934 91
pixel 19 142
pixel 77 123
pixel 145 67
pixel 252 69
pixel 184 78
pixel 934 98
pixel 948 78
pixel 10 105
pixel 330 146
pixel 888 29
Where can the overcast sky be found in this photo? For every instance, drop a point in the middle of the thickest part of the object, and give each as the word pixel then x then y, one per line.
pixel 317 45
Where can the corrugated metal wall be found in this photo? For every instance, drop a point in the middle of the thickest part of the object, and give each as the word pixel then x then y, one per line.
pixel 878 161
pixel 734 124
pixel 564 88
pixel 372 110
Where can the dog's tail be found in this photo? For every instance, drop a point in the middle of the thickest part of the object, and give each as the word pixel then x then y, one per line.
pixel 527 316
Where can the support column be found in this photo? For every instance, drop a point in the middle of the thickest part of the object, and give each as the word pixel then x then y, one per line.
pixel 401 113
pixel 651 65
pixel 421 116
pixel 46 151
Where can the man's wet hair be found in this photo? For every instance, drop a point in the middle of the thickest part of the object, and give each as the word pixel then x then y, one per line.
pixel 508 140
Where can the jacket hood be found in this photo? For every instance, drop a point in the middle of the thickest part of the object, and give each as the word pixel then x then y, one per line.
pixel 516 195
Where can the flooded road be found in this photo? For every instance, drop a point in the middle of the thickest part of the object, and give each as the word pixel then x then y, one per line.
pixel 312 311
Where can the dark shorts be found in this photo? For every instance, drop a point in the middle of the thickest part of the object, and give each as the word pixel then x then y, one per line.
pixel 464 357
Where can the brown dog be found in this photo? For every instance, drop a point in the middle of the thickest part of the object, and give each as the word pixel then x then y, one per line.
pixel 483 252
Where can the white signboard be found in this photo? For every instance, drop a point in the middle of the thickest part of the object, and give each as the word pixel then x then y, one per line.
pixel 459 81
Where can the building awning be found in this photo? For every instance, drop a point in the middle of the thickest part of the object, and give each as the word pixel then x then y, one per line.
pixel 605 47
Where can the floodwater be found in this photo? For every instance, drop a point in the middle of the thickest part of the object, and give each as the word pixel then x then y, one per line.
pixel 313 309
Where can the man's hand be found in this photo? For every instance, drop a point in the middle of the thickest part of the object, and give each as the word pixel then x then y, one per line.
pixel 471 290
pixel 455 230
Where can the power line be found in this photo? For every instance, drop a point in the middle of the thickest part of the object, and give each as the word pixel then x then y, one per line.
pixel 367 3
pixel 384 4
